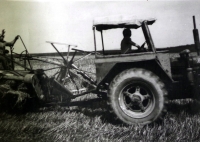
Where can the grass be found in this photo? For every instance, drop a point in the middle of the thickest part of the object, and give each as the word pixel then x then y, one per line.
pixel 92 122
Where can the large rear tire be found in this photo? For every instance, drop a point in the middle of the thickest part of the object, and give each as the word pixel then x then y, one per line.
pixel 137 96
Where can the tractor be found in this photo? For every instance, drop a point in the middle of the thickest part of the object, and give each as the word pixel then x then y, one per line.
pixel 136 86
pixel 139 84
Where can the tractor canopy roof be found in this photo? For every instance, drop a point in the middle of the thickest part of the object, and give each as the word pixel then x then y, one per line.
pixel 112 22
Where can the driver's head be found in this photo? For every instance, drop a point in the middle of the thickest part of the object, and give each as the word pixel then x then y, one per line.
pixel 127 32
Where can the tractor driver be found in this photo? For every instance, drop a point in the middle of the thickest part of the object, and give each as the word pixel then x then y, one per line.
pixel 126 42
pixel 3 44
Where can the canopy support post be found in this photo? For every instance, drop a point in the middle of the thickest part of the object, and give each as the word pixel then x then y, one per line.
pixel 95 47
pixel 102 41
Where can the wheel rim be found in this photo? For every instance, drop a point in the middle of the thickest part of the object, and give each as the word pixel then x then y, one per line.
pixel 137 100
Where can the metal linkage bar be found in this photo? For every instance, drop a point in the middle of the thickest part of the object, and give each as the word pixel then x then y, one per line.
pixel 87 52
pixel 52 43
pixel 26 53
pixel 59 53
pixel 82 57
pixel 61 43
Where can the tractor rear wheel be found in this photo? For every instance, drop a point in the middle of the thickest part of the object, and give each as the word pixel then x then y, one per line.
pixel 137 96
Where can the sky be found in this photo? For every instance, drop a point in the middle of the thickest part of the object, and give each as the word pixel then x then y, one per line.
pixel 71 22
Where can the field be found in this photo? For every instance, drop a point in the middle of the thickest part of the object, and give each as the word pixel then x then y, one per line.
pixel 92 122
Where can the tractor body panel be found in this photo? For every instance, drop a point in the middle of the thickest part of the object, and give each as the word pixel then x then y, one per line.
pixel 107 67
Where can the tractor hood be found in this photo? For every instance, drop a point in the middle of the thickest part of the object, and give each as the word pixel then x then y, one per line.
pixel 105 23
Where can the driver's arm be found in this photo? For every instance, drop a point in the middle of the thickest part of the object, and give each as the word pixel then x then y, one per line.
pixel 134 44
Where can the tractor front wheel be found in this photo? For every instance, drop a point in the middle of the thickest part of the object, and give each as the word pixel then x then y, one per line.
pixel 137 96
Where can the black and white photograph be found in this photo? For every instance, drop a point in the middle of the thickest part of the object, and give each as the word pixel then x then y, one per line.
pixel 99 71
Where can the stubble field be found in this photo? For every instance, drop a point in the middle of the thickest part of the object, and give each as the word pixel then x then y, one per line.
pixel 92 122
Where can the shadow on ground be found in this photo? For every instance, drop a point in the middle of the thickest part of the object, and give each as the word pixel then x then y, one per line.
pixel 189 106
pixel 99 108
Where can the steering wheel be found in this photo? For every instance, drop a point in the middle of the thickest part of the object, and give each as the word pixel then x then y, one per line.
pixel 142 47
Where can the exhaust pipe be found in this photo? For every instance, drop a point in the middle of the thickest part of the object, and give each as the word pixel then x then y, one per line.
pixel 196 37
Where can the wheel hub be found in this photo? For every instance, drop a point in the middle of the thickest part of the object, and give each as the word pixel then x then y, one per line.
pixel 136 98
